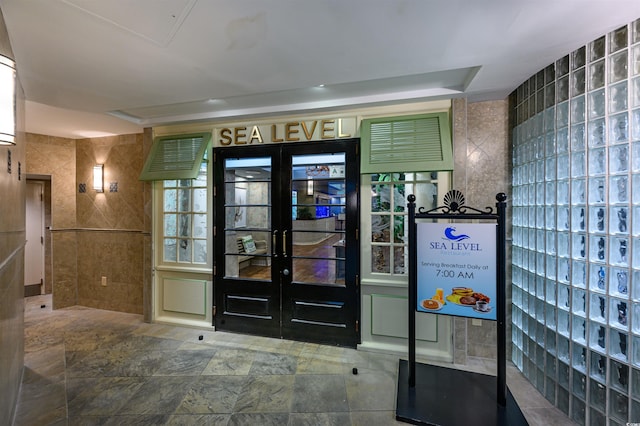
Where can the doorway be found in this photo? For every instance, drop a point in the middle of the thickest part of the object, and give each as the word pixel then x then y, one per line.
pixel 286 226
pixel 34 248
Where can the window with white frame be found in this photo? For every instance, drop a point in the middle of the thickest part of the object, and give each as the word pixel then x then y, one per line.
pixel 185 220
pixel 385 224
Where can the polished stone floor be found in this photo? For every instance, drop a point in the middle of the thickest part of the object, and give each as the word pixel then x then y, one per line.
pixel 91 367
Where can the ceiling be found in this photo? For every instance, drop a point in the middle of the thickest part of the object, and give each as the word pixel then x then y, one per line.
pixel 92 68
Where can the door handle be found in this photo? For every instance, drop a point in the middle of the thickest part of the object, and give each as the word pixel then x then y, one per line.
pixel 285 272
pixel 284 243
pixel 274 240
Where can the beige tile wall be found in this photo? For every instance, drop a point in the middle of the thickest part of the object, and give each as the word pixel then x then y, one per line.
pixel 482 169
pixel 12 240
pixel 96 234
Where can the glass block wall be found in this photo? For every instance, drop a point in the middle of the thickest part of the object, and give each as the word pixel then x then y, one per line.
pixel 576 230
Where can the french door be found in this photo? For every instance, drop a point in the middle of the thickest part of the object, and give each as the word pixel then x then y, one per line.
pixel 286 257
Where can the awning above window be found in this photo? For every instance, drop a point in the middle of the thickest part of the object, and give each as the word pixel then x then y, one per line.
pixel 406 144
pixel 175 157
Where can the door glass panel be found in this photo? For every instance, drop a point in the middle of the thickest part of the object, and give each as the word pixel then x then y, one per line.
pixel 318 218
pixel 247 218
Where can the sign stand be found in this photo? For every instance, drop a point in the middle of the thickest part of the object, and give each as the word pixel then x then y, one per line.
pixel 442 396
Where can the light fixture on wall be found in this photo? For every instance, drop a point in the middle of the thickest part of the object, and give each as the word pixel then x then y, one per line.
pixel 310 186
pixel 7 101
pixel 98 174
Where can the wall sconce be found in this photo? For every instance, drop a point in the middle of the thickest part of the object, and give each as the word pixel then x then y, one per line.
pixel 98 175
pixel 7 101
pixel 310 187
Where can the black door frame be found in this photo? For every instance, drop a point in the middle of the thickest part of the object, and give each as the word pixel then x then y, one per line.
pixel 277 317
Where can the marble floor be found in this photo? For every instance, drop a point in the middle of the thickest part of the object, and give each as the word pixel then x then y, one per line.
pixel 91 367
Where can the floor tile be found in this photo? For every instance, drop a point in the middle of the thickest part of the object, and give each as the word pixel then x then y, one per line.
pixel 86 366
pixel 265 394
pixel 319 393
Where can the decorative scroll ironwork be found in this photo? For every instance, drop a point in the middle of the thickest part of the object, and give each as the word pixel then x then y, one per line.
pixel 454 203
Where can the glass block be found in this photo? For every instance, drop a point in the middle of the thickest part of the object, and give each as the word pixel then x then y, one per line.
pixel 550 217
pixel 563 367
pixel 619 129
pixel 618 406
pixel 562 89
pixel 579 305
pixel 596 75
pixel 578 192
pixel 618 67
pixel 563 327
pixel 618 251
pixel 636 194
pixel 618 345
pixel 598 308
pixel 563 190
pixel 635 31
pixel 635 260
pixel 635 124
pixel 635 383
pixel 549 95
pixel 563 401
pixel 562 140
pixel 618 282
pixel 578 137
pixel 579 379
pixel 550 146
pixel 550 321
pixel 578 274
pixel 597 133
pixel 597 190
pixel 578 58
pixel 578 408
pixel 619 377
pixel 619 313
pixel 598 395
pixel 597 248
pixel 540 177
pixel 597 219
pixel 550 266
pixel 635 91
pixel 598 278
pixel 598 367
pixel 562 66
pixel 564 296
pixel 578 218
pixel 579 335
pixel 636 351
pixel 563 244
pixel 618 39
pixel 618 189
pixel 578 246
pixel 597 49
pixel 564 272
pixel 577 110
pixel 618 97
pixel 597 104
pixel 550 242
pixel 550 292
pixel 596 418
pixel 619 220
pixel 635 410
pixel 578 166
pixel 635 60
pixel 597 337
pixel 562 115
pixel 597 161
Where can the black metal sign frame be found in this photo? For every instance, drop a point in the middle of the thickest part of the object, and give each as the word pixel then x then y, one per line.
pixel 455 208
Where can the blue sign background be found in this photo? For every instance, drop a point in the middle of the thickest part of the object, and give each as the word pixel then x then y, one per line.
pixel 451 255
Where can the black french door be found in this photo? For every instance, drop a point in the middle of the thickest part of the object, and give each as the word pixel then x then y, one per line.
pixel 286 249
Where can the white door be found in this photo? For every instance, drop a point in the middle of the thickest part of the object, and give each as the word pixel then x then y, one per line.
pixel 34 250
